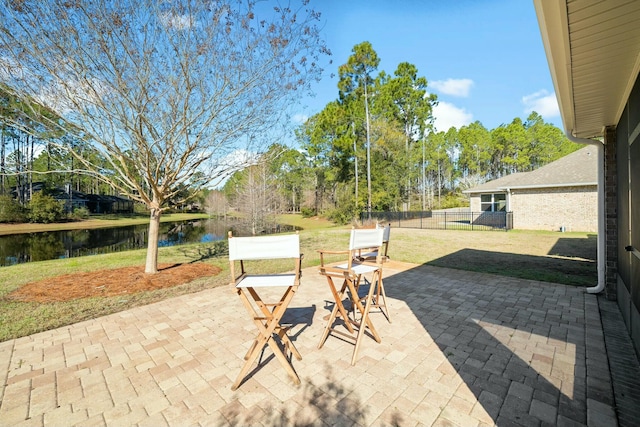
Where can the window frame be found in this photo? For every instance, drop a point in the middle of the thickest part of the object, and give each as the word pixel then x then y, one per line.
pixel 496 204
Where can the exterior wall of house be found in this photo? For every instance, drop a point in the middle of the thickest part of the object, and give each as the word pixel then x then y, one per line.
pixel 625 261
pixel 575 208
pixel 474 203
pixel 611 212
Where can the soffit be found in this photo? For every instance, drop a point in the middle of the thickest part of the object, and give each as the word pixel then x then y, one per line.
pixel 593 50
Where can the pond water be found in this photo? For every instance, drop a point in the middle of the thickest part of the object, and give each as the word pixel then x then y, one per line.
pixel 21 248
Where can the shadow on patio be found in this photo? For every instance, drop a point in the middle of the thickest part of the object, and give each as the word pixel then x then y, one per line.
pixel 464 348
pixel 518 345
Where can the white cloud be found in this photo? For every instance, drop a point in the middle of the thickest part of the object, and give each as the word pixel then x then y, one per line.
pixel 447 115
pixel 453 87
pixel 179 22
pixel 69 96
pixel 299 118
pixel 543 103
pixel 222 169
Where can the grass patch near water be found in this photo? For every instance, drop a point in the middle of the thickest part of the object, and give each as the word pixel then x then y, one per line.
pixel 96 221
pixel 566 258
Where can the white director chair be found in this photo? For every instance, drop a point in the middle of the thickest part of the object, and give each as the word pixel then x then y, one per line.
pixel 266 315
pixel 350 273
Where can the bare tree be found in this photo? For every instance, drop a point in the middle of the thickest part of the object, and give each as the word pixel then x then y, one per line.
pixel 255 197
pixel 216 204
pixel 165 90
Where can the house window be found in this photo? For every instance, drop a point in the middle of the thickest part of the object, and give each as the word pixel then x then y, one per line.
pixel 493 202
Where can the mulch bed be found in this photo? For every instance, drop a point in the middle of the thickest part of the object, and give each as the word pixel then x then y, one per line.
pixel 106 283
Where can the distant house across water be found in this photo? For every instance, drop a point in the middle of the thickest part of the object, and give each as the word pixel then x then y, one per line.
pixel 108 204
pixel 95 203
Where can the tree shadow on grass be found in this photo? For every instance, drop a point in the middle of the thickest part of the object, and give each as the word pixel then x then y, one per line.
pixel 202 252
pixel 574 247
pixel 574 271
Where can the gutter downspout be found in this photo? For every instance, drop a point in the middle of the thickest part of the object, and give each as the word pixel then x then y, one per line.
pixel 508 208
pixel 601 212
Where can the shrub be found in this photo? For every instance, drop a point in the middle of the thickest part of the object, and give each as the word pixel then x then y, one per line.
pixel 341 215
pixel 307 212
pixel 140 209
pixel 79 214
pixel 11 210
pixel 453 200
pixel 45 209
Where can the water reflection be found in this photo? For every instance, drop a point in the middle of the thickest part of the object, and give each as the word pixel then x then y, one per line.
pixel 21 248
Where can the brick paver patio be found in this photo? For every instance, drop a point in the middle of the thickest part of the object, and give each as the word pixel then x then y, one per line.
pixel 464 349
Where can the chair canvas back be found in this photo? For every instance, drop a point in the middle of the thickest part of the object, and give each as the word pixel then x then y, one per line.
pixel 387 232
pixel 364 238
pixel 264 247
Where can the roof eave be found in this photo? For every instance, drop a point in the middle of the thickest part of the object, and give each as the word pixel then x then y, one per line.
pixel 556 32
pixel 532 186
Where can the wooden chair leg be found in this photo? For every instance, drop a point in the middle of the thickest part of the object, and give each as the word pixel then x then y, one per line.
pixel 266 330
pixel 337 308
pixel 364 323
pixel 282 333
pixel 258 344
pixel 283 360
pixel 380 293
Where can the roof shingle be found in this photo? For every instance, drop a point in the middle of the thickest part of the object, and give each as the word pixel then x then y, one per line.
pixel 577 168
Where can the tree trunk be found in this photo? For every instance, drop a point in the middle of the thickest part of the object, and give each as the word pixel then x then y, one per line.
pixel 366 109
pixel 151 265
pixel 31 167
pixel 2 161
pixel 17 146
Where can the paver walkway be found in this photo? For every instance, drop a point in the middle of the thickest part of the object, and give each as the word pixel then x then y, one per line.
pixel 464 349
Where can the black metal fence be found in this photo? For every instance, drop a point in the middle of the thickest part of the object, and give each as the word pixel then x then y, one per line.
pixel 444 220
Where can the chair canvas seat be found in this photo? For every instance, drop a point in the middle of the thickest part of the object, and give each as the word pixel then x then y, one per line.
pixel 358 269
pixel 267 281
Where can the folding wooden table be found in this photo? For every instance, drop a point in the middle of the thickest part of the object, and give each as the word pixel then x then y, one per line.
pixel 266 315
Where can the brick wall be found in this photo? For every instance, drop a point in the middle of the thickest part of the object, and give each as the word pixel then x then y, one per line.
pixel 575 208
pixel 474 203
pixel 611 212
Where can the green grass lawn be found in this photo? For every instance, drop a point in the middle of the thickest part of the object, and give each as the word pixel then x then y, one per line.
pixel 97 221
pixel 566 258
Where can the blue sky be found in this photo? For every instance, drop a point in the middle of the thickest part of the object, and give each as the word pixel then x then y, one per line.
pixel 483 58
